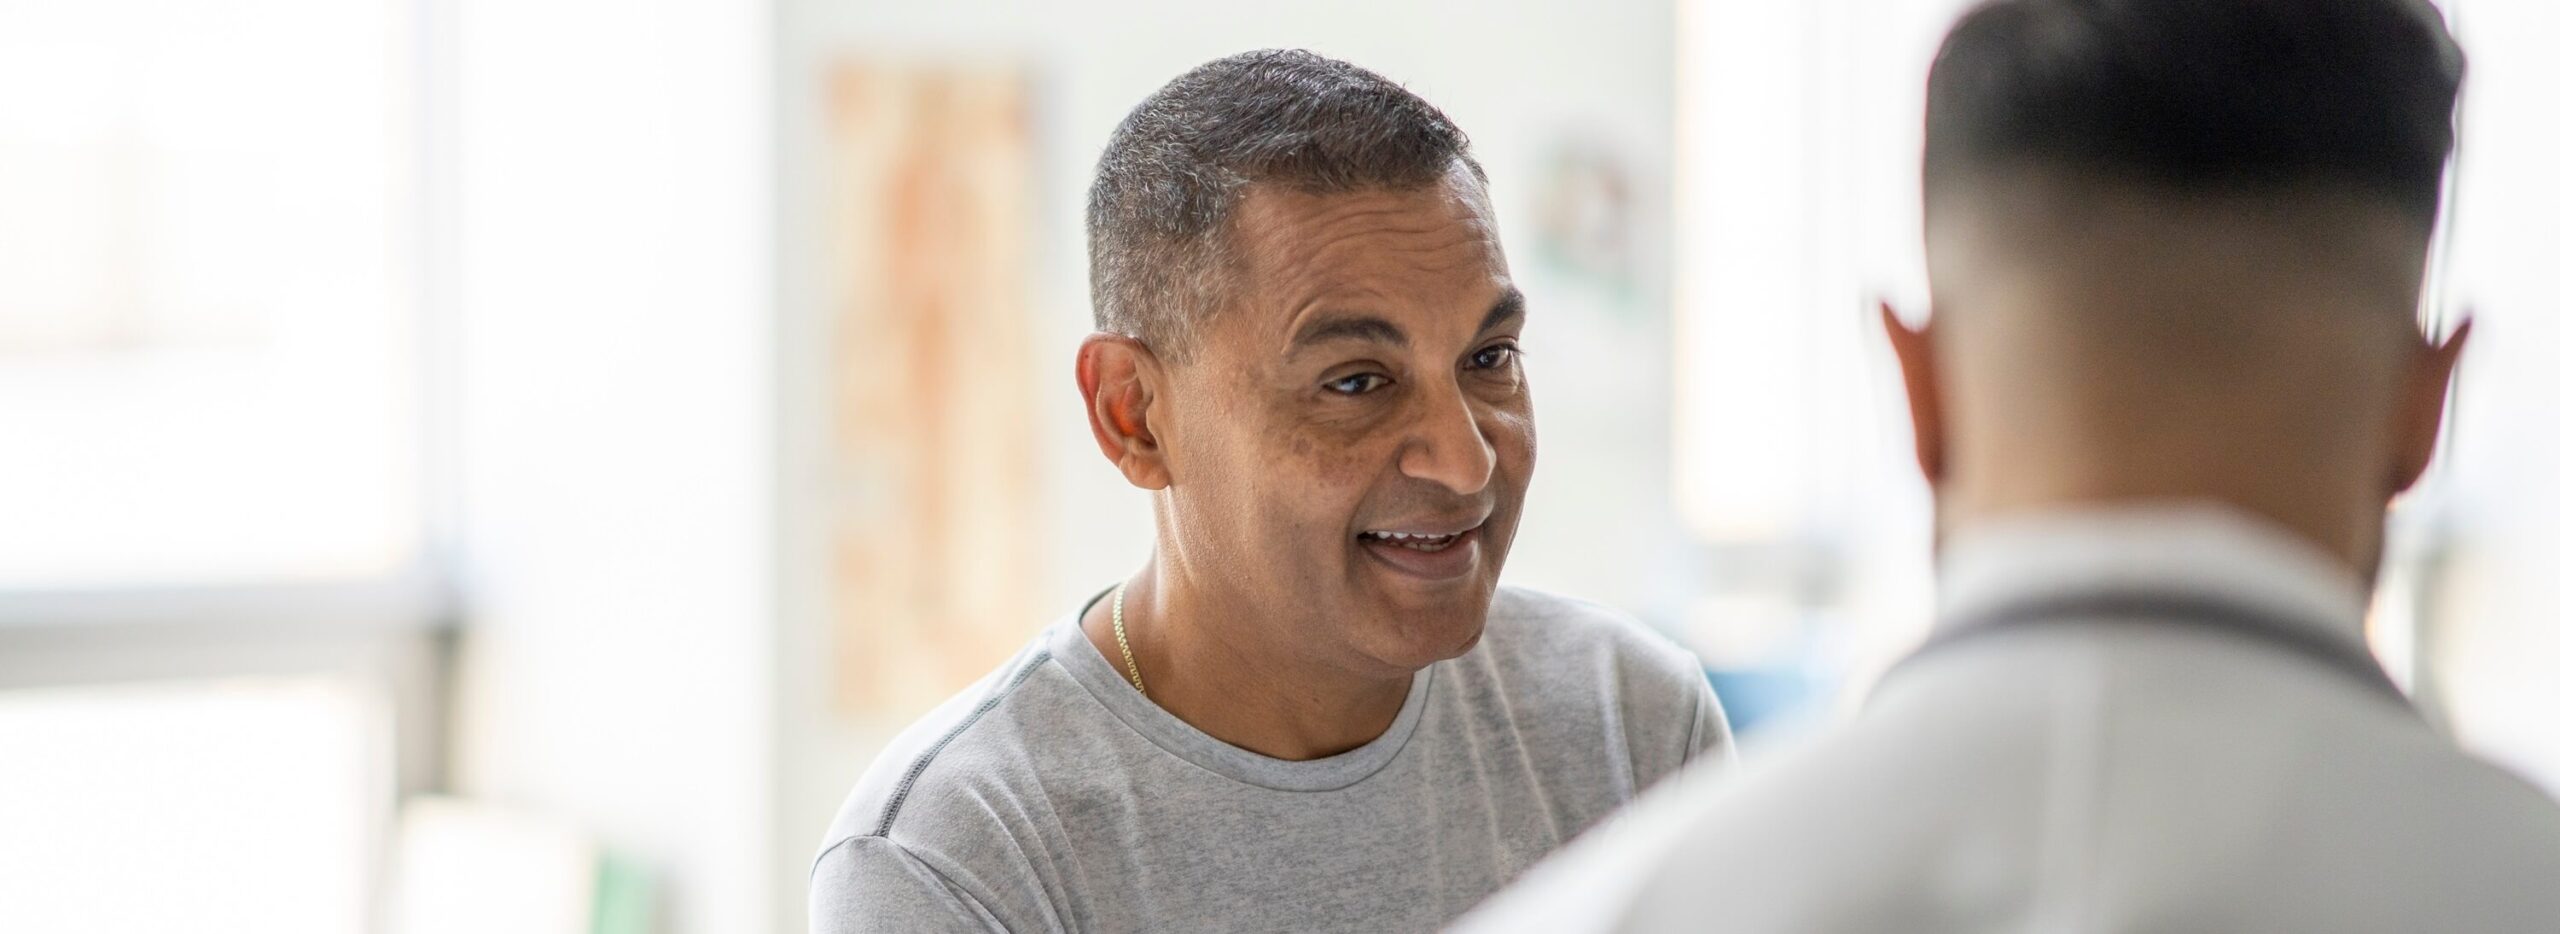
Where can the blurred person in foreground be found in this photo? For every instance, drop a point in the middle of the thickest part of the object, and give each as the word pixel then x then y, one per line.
pixel 1313 709
pixel 2174 378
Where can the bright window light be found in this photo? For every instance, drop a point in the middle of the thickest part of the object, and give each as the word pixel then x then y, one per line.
pixel 231 806
pixel 1798 129
pixel 206 261
pixel 2491 515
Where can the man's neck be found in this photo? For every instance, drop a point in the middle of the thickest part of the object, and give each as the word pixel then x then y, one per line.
pixel 2335 528
pixel 1234 673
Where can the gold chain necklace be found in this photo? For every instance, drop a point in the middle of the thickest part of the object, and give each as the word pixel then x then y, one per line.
pixel 1120 631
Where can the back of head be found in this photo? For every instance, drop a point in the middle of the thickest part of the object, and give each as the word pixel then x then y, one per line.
pixel 2177 246
pixel 2209 97
pixel 1173 173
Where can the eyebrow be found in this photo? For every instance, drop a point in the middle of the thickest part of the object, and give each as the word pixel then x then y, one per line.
pixel 1511 307
pixel 1508 309
pixel 1350 328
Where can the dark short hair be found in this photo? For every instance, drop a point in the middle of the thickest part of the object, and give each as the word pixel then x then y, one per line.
pixel 1157 219
pixel 2206 96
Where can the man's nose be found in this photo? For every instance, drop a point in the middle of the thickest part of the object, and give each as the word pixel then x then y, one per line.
pixel 1448 445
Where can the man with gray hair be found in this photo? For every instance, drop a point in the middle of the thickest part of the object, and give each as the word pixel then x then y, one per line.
pixel 1314 708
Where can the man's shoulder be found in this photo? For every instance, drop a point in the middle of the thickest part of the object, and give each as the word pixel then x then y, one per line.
pixel 1543 635
pixel 1566 670
pixel 981 739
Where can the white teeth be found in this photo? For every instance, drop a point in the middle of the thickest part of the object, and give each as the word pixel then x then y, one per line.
pixel 1416 540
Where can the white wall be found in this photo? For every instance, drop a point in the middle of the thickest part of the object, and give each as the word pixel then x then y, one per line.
pixel 608 244
pixel 1519 77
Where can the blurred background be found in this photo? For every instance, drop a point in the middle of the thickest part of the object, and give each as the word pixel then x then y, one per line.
pixel 506 466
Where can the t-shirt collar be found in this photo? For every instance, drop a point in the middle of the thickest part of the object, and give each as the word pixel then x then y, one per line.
pixel 1104 680
pixel 2169 547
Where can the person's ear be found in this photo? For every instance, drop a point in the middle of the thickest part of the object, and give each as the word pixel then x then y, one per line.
pixel 2419 417
pixel 1120 379
pixel 1914 348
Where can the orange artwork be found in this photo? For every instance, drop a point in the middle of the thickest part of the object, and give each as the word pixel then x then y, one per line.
pixel 934 457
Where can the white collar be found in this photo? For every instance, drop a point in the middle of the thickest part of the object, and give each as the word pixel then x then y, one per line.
pixel 2173 546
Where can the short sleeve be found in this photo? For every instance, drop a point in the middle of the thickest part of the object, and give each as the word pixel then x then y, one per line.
pixel 1710 736
pixel 872 885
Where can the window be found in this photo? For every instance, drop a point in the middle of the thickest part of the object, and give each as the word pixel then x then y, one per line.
pixel 2483 536
pixel 1798 209
pixel 207 332
pixel 216 806
pixel 211 468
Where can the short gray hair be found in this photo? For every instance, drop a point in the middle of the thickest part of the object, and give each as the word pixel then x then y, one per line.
pixel 1158 217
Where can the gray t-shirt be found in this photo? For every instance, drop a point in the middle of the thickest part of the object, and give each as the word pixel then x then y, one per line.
pixel 1051 796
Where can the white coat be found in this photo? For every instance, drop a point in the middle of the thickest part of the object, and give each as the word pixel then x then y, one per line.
pixel 2147 761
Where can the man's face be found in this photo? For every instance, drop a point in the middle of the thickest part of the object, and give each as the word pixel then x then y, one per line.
pixel 1354 432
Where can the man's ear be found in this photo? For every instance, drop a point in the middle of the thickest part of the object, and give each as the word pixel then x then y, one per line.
pixel 1120 379
pixel 1913 347
pixel 2419 418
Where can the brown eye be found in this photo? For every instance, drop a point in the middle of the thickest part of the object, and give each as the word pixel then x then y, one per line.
pixel 1493 358
pixel 1359 384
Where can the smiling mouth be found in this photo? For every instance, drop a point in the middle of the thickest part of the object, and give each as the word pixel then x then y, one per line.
pixel 1427 554
pixel 1418 541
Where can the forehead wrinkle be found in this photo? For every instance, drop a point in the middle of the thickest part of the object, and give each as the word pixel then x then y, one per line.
pixel 1433 248
pixel 1325 246
pixel 1341 274
pixel 1326 252
pixel 1326 214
